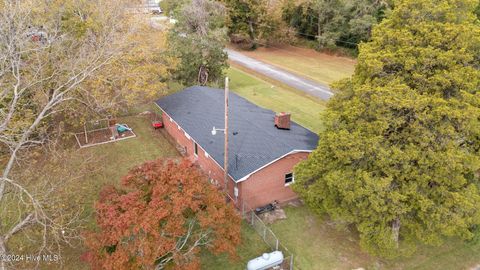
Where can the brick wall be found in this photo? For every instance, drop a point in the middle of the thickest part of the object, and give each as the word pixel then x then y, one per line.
pixel 203 160
pixel 268 184
pixel 259 189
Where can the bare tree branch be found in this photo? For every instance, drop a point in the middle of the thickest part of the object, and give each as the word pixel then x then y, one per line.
pixel 43 64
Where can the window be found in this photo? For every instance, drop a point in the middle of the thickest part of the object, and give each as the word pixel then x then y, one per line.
pixel 195 149
pixel 289 179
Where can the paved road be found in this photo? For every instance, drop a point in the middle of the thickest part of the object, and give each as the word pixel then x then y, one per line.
pixel 303 84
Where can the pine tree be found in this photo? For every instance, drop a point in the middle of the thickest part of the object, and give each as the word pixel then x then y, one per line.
pixel 399 155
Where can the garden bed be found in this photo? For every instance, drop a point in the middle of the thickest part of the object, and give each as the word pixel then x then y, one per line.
pixel 102 136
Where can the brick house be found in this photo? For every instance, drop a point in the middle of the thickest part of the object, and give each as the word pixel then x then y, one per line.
pixel 261 156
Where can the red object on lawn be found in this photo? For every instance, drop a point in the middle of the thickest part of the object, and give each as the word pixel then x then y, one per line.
pixel 157 124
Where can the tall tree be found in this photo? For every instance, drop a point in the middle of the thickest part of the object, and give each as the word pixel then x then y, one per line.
pixel 330 21
pixel 399 155
pixel 48 50
pixel 302 17
pixel 198 41
pixel 360 17
pixel 252 18
pixel 335 22
pixel 137 75
pixel 166 213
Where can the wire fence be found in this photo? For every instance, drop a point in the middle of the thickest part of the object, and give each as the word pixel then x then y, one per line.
pixel 257 224
pixel 268 236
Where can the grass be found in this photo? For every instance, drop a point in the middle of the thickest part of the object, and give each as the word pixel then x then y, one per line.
pixel 309 63
pixel 316 244
pixel 453 254
pixel 252 246
pixel 114 161
pixel 319 244
pixel 305 109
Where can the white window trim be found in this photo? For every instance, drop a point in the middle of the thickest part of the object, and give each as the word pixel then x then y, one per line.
pixel 293 179
pixel 270 163
pixel 195 154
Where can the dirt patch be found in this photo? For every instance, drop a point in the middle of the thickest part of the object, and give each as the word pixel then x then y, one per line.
pixel 272 216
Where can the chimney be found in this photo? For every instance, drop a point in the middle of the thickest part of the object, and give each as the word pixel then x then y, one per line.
pixel 282 120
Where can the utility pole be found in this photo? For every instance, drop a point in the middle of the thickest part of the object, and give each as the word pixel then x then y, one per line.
pixel 225 159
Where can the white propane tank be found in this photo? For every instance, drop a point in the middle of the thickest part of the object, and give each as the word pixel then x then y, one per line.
pixel 266 261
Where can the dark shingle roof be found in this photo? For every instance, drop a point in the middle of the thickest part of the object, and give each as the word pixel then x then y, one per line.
pixel 257 141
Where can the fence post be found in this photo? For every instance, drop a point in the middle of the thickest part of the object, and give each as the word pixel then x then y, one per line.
pixel 291 261
pixel 253 216
pixel 265 234
pixel 276 245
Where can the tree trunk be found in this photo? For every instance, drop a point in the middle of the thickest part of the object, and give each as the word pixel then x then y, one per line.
pixel 319 23
pixel 396 230
pixel 202 75
pixel 251 33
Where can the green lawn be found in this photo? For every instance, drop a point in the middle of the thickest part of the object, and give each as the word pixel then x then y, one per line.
pixel 252 246
pixel 114 161
pixel 305 109
pixel 319 244
pixel 308 63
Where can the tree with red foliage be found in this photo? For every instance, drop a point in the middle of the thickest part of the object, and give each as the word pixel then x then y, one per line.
pixel 165 214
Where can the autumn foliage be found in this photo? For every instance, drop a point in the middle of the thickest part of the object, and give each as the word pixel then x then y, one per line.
pixel 164 214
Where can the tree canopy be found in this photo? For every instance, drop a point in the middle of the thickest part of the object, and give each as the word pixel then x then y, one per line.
pixel 165 213
pixel 56 57
pixel 254 19
pixel 399 154
pixel 198 41
pixel 335 22
pixel 477 10
pixel 169 7
pixel 137 75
